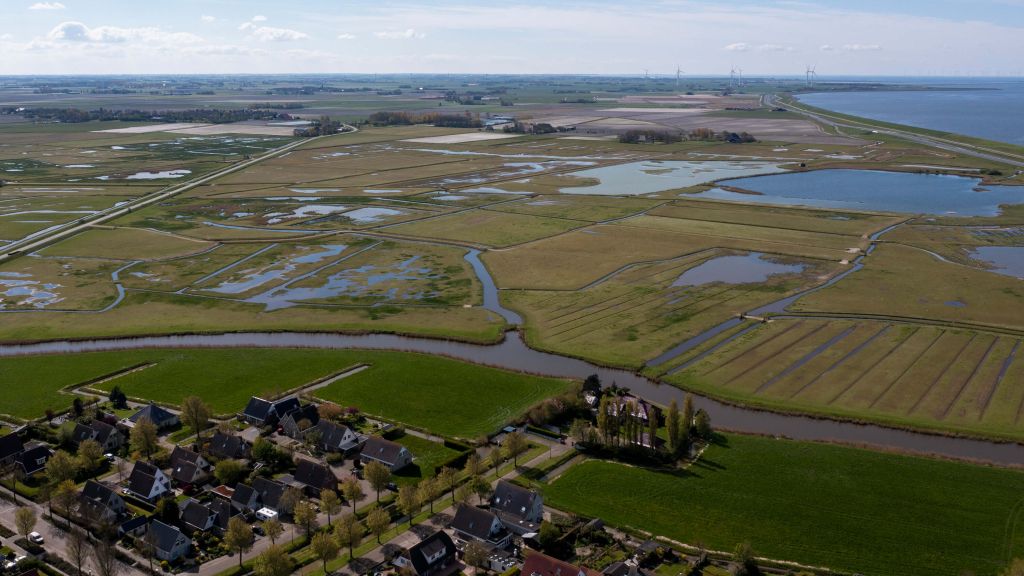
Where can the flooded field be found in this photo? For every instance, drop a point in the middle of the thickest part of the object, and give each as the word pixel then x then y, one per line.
pixel 1008 260
pixel 754 267
pixel 873 190
pixel 658 176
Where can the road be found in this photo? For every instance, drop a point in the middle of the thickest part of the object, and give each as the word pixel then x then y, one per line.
pixel 23 247
pixel 943 144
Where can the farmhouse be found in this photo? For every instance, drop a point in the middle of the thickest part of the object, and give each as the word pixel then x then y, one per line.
pixel 228 447
pixel 430 556
pixel 474 524
pixel 100 502
pixel 108 437
pixel 160 418
pixel 520 510
pixel 169 542
pixel 336 437
pixel 538 564
pixel 260 412
pixel 391 454
pixel 148 482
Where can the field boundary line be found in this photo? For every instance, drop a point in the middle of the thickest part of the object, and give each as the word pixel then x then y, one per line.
pixel 998 380
pixel 856 349
pixel 970 377
pixel 907 369
pixel 945 369
pixel 869 369
pixel 797 364
pixel 773 356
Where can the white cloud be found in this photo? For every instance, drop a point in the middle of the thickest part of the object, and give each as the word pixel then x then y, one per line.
pixel 270 34
pixel 207 18
pixel 738 47
pixel 827 48
pixel 407 34
pixel 47 6
pixel 861 47
pixel 346 36
pixel 79 32
pixel 6 37
pixel 259 18
pixel 744 47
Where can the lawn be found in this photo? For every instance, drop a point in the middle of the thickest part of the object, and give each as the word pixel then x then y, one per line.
pixel 226 378
pixel 444 396
pixel 845 508
pixel 427 456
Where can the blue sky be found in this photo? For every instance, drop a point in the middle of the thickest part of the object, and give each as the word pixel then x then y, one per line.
pixel 839 37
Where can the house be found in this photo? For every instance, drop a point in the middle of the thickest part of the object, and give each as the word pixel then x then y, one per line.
pixel 430 556
pixel 134 526
pixel 474 524
pixel 627 568
pixel 148 482
pixel 228 447
pixel 245 498
pixel 10 448
pixel 268 492
pixel 260 412
pixel 33 458
pixel 336 437
pixel 160 418
pixel 641 408
pixel 391 454
pixel 100 502
pixel 188 468
pixel 537 564
pixel 296 423
pixel 312 477
pixel 169 542
pixel 107 436
pixel 520 509
pixel 199 516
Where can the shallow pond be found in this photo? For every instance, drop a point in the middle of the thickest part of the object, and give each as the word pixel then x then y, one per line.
pixel 1008 260
pixel 20 289
pixel 652 176
pixel 370 215
pixel 278 271
pixel 158 175
pixel 752 267
pixel 873 190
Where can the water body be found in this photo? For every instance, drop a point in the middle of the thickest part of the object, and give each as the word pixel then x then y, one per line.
pixel 158 175
pixel 994 112
pixel 735 270
pixel 491 301
pixel 651 176
pixel 371 215
pixel 278 272
pixel 873 190
pixel 1008 260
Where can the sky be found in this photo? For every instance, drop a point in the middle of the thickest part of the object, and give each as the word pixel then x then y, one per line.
pixel 837 37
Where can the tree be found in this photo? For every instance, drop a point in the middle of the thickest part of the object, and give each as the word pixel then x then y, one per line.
pixel 473 464
pixel 90 454
pixel 143 438
pixel 330 503
pixel 196 415
pixel 305 517
pixel 118 399
pixel 481 487
pixel 291 497
pixel 672 425
pixel 78 548
pixel 463 493
pixel 652 427
pixel 495 459
pixel 687 423
pixel 378 521
pixel 60 467
pixel 409 501
pixel 429 490
pixel 273 561
pixel 229 472
pixel 329 410
pixel 548 535
pixel 273 528
pixel 16 473
pixel 349 533
pixel 603 417
pixel 325 548
pixel 238 538
pixel 77 407
pixel 447 477
pixel 25 521
pixel 65 497
pixel 352 490
pixel 104 557
pixel 147 546
pixel 263 450
pixel 514 445
pixel 167 510
pixel 378 475
pixel 702 425
pixel 474 554
pixel 1016 568
pixel 744 556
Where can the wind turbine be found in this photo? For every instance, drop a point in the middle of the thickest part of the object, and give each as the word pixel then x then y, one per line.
pixel 740 77
pixel 679 72
pixel 810 75
pixel 732 76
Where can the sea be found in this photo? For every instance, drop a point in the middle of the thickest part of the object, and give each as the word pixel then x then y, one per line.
pixel 990 108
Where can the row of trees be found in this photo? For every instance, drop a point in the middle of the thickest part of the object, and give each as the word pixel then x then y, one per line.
pixel 697 134
pixel 203 115
pixel 466 120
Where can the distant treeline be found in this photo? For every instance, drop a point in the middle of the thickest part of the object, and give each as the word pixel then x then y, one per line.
pixel 202 115
pixel 406 119
pixel 698 134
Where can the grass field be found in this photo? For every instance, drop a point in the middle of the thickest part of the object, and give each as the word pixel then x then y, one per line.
pixel 145 245
pixel 586 208
pixel 848 509
pixel 56 284
pixel 488 227
pixel 410 388
pixel 913 376
pixel 441 395
pixel 427 456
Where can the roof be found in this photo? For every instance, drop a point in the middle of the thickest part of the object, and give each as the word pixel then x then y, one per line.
pixel 269 491
pixel 155 414
pixel 183 455
pixel 257 408
pixel 224 491
pixel 383 450
pixel 165 536
pixel 243 494
pixel 195 514
pixel 623 569
pixel 103 430
pixel 512 499
pixel 538 564
pixel 429 546
pixel 286 405
pixel 186 472
pixel 333 435
pixel 97 492
pixel 133 523
pixel 228 446
pixel 474 521
pixel 316 475
pixel 81 433
pixel 143 477
pixel 223 510
pixel 308 412
pixel 10 445
pixel 34 458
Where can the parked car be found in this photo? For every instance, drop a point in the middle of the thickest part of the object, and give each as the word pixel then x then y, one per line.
pixel 35 537
pixel 110 457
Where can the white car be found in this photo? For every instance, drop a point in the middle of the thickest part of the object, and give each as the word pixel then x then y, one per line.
pixel 35 537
